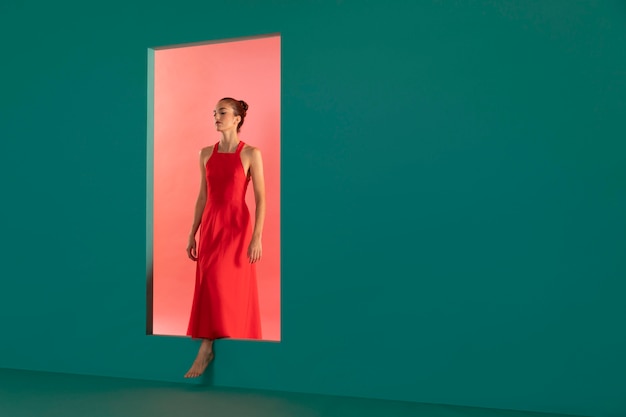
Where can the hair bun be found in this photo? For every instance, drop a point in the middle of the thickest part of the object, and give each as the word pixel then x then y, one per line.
pixel 244 105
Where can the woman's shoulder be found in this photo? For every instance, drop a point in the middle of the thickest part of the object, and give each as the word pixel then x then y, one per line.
pixel 206 151
pixel 250 150
pixel 205 154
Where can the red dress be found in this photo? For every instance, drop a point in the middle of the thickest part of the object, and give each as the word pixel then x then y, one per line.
pixel 225 302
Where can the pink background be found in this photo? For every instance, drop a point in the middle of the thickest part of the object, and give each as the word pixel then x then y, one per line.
pixel 188 82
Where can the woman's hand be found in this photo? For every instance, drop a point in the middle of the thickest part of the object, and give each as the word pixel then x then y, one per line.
pixel 254 250
pixel 191 249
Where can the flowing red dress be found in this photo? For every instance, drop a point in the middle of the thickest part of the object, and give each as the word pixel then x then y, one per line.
pixel 225 301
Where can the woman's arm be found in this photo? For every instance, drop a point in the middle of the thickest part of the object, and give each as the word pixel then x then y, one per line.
pixel 200 203
pixel 258 182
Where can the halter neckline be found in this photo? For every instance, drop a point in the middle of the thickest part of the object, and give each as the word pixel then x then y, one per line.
pixel 238 150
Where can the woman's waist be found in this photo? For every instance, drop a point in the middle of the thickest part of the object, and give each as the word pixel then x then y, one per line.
pixel 225 210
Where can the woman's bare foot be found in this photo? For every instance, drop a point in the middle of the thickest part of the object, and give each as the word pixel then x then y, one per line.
pixel 204 358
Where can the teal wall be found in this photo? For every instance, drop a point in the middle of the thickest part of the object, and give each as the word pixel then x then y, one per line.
pixel 453 197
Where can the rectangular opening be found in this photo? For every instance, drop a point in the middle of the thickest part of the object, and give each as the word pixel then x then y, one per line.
pixel 185 83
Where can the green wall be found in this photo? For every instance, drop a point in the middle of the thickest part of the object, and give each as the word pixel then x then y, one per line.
pixel 453 197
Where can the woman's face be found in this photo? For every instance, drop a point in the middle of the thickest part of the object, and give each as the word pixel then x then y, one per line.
pixel 224 117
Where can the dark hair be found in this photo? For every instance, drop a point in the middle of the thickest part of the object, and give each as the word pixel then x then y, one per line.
pixel 240 108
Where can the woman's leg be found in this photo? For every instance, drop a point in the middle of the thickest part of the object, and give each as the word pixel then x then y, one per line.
pixel 205 356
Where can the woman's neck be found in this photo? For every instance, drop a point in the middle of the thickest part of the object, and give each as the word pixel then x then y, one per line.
pixel 229 142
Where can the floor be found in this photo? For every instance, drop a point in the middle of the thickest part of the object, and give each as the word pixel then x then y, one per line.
pixel 43 394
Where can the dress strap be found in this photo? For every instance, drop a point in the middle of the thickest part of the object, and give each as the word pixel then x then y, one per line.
pixel 239 147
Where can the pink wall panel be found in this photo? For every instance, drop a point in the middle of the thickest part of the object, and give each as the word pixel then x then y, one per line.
pixel 188 82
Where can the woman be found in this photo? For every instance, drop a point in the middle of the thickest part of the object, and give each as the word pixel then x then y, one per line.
pixel 225 303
